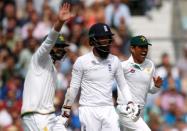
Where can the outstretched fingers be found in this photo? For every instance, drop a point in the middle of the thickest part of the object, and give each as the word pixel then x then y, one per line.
pixel 66 6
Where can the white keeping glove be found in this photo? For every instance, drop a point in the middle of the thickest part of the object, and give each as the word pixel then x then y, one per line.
pixel 135 111
pixel 130 110
pixel 124 110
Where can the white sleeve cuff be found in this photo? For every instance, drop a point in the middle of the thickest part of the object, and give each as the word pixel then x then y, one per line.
pixel 52 36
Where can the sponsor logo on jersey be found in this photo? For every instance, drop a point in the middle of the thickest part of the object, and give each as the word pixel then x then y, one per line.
pixel 45 129
pixel 94 62
pixel 132 70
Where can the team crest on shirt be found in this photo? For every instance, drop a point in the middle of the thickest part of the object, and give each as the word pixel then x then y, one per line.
pixel 147 70
pixel 109 67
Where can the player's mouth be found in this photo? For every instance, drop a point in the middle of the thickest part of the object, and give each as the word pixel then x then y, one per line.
pixel 143 54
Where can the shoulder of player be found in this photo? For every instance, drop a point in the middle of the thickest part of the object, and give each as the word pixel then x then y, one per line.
pixel 125 62
pixel 83 59
pixel 149 63
pixel 114 58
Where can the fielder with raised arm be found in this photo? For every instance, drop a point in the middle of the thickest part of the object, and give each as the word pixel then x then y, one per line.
pixel 39 88
pixel 94 73
pixel 139 74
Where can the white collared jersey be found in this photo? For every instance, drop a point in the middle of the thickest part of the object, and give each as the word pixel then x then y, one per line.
pixel 40 84
pixel 95 78
pixel 139 77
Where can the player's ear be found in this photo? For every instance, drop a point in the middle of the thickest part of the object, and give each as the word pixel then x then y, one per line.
pixel 132 49
pixel 90 43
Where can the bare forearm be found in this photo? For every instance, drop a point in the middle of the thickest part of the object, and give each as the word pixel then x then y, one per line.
pixel 58 25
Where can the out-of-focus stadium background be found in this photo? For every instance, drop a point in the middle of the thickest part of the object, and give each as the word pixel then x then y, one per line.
pixel 23 24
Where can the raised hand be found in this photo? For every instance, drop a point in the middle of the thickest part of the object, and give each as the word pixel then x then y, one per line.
pixel 158 81
pixel 63 16
pixel 64 13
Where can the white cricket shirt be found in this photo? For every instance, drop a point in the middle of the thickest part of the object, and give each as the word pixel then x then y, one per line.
pixel 39 86
pixel 139 77
pixel 95 78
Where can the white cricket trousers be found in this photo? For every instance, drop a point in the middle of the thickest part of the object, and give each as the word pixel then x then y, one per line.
pixel 39 122
pixel 126 124
pixel 102 118
pixel 129 125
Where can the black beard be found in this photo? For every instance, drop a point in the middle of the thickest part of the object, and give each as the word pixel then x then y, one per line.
pixel 56 57
pixel 102 53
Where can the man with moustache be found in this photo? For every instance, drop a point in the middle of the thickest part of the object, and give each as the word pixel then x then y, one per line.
pixel 93 73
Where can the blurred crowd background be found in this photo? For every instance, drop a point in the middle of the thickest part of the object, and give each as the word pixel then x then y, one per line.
pixel 24 23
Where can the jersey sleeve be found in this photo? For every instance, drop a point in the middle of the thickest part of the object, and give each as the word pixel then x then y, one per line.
pixel 41 56
pixel 122 84
pixel 153 89
pixel 75 83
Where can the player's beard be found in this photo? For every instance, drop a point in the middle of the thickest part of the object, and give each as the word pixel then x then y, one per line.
pixel 103 52
pixel 57 56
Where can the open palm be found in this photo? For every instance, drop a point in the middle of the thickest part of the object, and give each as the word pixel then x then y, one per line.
pixel 64 13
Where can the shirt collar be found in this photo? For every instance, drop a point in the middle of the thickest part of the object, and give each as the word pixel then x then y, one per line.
pixel 97 60
pixel 135 65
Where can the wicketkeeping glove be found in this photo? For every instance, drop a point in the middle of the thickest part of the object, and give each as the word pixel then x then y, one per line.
pixel 124 110
pixel 135 108
pixel 131 110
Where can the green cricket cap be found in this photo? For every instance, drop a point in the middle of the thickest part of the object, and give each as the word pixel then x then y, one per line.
pixel 60 42
pixel 139 40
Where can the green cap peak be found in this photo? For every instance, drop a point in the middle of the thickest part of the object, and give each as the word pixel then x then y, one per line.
pixel 139 41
